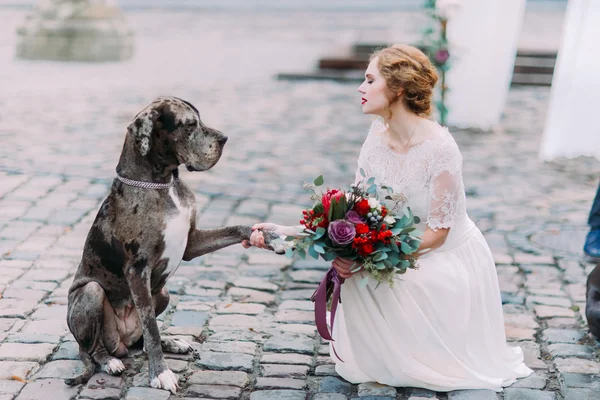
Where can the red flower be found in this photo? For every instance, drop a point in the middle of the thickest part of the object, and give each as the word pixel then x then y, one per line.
pixel 362 207
pixel 361 229
pixel 366 249
pixel 327 198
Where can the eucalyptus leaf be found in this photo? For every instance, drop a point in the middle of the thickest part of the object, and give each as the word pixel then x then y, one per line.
pixel 362 172
pixel 406 248
pixel 417 219
pixel 380 256
pixel 319 249
pixel 394 245
pixel 319 180
pixel 289 253
pixel 302 253
pixel 371 180
pixel 312 252
pixel 329 256
pixel 388 264
pixel 290 238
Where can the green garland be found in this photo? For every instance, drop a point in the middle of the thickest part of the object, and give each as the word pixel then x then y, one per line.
pixel 435 46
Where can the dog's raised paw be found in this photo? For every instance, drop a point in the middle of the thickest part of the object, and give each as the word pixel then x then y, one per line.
pixel 113 366
pixel 166 380
pixel 176 346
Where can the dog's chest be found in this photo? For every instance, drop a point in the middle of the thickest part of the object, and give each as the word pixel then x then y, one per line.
pixel 176 233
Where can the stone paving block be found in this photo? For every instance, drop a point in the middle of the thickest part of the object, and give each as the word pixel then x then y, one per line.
pixel 552 335
pixel 516 333
pixel 473 394
pixel 308 276
pixel 537 380
pixel 376 389
pixel 298 294
pixel 290 343
pixel 577 366
pixel 142 393
pixel 48 327
pixel 330 396
pixel 50 313
pixel 294 316
pixel 569 380
pixel 278 358
pixel 214 391
pixel 563 323
pixel 26 352
pixel 278 395
pixel 266 258
pixel 551 312
pixel 188 319
pixel 325 370
pixel 304 305
pixel 234 322
pixel 240 308
pixel 225 361
pixel 285 371
pixel 22 337
pixel 10 387
pixel 20 294
pixel 62 369
pixel 193 306
pixel 46 275
pixel 12 308
pixel 419 393
pixel 6 324
pixel 250 296
pixel 228 378
pixel 302 329
pixel 331 384
pixel 570 350
pixel 177 366
pixel 101 394
pixel 41 388
pixel 21 369
pixel 279 383
pixel 527 394
pixel 581 394
pixel 104 380
pixel 230 347
pixel 255 283
pixel 548 301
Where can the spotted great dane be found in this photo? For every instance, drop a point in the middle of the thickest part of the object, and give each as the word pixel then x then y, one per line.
pixel 143 230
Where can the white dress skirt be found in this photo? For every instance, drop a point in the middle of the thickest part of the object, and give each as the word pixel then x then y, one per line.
pixel 440 327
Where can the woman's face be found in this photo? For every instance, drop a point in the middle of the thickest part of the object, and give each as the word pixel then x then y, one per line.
pixel 374 91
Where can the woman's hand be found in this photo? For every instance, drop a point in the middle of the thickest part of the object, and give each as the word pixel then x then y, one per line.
pixel 345 266
pixel 257 238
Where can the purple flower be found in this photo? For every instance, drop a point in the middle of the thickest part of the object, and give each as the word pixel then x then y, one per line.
pixel 341 232
pixel 354 217
pixel 441 56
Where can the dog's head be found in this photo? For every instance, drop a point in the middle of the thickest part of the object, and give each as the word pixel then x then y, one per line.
pixel 169 132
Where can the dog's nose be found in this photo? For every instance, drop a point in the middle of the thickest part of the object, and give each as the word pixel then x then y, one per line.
pixel 222 140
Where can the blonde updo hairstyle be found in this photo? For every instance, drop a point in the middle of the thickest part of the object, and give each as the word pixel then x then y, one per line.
pixel 408 68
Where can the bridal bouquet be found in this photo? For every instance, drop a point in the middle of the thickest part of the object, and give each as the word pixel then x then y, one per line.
pixel 355 225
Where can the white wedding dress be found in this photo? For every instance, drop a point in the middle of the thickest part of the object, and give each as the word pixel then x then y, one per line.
pixel 440 327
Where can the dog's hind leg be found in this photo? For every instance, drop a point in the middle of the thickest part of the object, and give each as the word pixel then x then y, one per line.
pixel 169 345
pixel 85 318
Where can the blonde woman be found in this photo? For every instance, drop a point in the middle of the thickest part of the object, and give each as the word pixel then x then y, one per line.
pixel 440 327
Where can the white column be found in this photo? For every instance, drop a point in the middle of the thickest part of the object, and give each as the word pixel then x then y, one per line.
pixel 571 128
pixel 483 37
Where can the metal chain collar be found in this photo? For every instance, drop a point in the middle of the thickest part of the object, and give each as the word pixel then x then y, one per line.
pixel 147 185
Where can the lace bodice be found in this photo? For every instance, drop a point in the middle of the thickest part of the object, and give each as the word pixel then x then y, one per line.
pixel 428 178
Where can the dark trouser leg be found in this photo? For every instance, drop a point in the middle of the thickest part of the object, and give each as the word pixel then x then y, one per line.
pixel 594 218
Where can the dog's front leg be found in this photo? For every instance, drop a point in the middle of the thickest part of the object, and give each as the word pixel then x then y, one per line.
pixel 138 278
pixel 201 242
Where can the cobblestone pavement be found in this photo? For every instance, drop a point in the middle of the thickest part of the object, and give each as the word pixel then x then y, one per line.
pixel 247 312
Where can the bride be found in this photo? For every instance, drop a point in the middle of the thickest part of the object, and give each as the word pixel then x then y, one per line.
pixel 439 327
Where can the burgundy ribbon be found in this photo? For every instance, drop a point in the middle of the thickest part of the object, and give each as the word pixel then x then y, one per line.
pixel 330 285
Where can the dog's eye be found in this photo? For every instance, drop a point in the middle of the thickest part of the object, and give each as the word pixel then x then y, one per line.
pixel 191 124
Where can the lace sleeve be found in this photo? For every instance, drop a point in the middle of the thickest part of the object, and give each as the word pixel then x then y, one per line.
pixel 445 187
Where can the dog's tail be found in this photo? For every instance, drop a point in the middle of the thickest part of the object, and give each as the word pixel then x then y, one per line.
pixel 89 367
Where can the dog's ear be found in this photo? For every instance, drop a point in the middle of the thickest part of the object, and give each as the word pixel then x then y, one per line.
pixel 141 129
